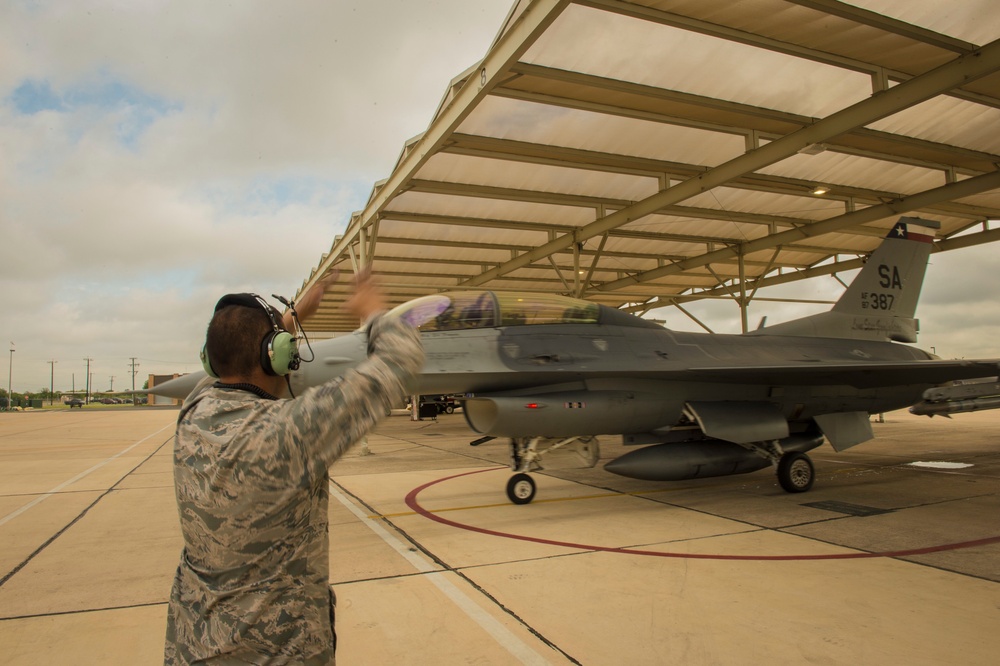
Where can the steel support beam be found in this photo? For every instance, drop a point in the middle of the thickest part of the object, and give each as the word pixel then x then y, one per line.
pixel 938 81
pixel 906 204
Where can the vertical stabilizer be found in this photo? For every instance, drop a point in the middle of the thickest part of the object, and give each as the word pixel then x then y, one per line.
pixel 881 302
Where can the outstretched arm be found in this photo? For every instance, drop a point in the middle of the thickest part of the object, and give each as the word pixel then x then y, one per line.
pixel 309 304
pixel 329 418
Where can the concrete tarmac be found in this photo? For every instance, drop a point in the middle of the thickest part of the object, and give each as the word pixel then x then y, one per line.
pixel 883 561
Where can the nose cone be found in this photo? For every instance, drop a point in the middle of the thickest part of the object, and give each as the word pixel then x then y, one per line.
pixel 331 359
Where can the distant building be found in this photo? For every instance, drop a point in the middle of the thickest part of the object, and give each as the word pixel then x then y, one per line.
pixel 156 380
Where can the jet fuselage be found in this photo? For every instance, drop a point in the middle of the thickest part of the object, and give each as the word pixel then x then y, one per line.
pixel 622 379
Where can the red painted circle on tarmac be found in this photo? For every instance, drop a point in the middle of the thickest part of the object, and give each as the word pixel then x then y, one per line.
pixel 411 501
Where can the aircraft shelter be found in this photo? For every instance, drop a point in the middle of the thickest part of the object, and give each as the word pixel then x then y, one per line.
pixel 650 153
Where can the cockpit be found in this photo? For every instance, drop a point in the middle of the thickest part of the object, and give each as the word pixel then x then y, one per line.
pixel 462 310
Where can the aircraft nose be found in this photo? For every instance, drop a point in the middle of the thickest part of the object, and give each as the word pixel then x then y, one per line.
pixel 331 359
pixel 178 388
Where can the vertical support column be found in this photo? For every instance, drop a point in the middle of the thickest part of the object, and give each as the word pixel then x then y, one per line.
pixel 363 248
pixel 576 270
pixel 744 320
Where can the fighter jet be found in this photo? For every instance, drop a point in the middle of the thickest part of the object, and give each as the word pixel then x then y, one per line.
pixel 549 372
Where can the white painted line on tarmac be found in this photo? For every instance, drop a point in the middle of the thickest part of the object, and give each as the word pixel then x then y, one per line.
pixel 61 486
pixel 518 648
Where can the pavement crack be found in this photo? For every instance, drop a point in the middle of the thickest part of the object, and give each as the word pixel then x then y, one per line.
pixel 48 542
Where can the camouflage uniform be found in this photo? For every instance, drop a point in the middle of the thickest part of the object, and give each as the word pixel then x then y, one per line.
pixel 252 483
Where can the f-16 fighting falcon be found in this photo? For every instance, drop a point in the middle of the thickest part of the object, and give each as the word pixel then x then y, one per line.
pixel 547 372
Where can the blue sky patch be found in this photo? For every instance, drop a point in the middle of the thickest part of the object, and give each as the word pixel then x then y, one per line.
pixel 268 194
pixel 135 108
pixel 32 97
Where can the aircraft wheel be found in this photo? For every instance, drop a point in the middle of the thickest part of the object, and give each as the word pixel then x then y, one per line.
pixel 795 472
pixel 521 489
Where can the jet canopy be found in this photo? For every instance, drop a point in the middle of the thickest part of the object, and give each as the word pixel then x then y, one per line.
pixel 461 310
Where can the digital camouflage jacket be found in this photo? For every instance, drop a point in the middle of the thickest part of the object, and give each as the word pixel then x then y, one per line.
pixel 252 485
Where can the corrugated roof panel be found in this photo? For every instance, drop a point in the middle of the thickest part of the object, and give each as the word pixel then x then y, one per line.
pixel 629 49
pixel 602 133
pixel 875 175
pixel 948 121
pixel 987 200
pixel 969 20
pixel 585 185
pixel 491 209
pixel 804 206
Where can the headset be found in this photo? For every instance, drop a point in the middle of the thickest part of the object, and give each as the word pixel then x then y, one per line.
pixel 279 350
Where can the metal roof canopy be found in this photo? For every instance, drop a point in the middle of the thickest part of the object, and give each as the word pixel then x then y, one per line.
pixel 649 153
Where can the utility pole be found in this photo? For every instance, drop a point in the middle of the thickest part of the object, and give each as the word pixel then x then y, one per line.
pixel 112 389
pixel 88 360
pixel 52 376
pixel 10 374
pixel 134 366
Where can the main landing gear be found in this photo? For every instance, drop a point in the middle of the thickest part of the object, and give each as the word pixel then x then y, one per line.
pixel 795 470
pixel 525 456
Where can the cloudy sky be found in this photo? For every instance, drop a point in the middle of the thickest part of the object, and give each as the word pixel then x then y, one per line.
pixel 155 154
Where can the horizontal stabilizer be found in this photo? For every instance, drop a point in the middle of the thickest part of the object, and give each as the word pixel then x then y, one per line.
pixel 862 374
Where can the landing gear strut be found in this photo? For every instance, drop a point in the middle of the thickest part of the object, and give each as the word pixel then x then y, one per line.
pixel 794 468
pixel 525 456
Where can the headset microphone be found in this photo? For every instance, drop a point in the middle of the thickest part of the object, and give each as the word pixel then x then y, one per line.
pixel 298 325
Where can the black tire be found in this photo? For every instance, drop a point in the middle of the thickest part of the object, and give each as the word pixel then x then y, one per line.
pixel 521 489
pixel 795 472
pixel 449 409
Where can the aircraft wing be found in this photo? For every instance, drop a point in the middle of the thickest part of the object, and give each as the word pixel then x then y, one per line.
pixel 860 374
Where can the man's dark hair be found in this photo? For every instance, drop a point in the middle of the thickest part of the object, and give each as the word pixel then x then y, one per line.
pixel 234 338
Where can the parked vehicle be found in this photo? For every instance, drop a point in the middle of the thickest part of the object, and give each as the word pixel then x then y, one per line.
pixel 444 404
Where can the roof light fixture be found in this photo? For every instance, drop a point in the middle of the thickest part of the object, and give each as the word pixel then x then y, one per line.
pixel 820 190
pixel 813 149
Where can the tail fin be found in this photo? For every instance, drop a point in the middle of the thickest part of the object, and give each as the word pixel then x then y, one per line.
pixel 881 302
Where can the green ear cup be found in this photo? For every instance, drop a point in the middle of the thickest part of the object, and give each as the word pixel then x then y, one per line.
pixel 280 353
pixel 207 364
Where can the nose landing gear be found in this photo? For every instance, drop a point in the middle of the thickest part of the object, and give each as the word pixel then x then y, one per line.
pixel 521 488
